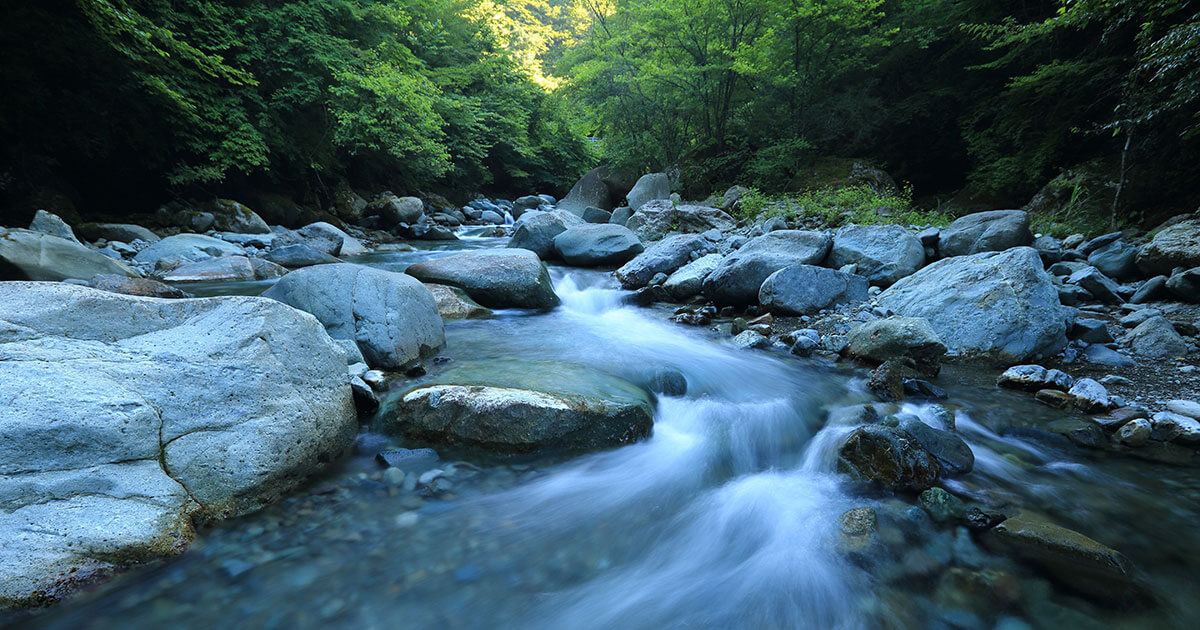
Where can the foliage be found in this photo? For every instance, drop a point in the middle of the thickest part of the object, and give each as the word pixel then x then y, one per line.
pixel 832 207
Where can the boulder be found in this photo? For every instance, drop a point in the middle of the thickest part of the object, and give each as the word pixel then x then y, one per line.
pixel 592 214
pixel 298 255
pixel 688 280
pixel 999 304
pixel 525 406
pixel 595 245
pixel 1185 285
pixel 388 210
pixel 1089 395
pixel 392 317
pixel 660 217
pixel 144 287
pixel 187 247
pixel 350 246
pixel 733 196
pixel 995 230
pixel 737 280
pixel 227 268
pixel 649 188
pixel 126 419
pixel 124 232
pixel 1156 338
pixel 495 278
pixel 1115 260
pixel 1174 246
pixel 1073 559
pixel 52 224
pixel 492 217
pixel 950 451
pixel 621 215
pixel 665 256
pixel 806 289
pixel 1099 285
pixel 231 216
pixel 882 253
pixel 29 255
pixel 525 204
pixel 535 231
pixel 590 190
pixel 1033 378
pixel 893 338
pixel 454 303
pixel 888 457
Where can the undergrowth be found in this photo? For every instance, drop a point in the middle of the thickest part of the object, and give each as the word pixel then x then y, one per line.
pixel 834 207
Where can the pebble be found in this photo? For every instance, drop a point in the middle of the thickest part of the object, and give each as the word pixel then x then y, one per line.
pixel 393 476
pixel 407 519
pixel 374 378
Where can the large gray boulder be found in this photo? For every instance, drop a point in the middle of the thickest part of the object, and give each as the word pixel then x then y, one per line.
pixel 661 216
pixel 738 278
pixel 999 304
pixel 883 253
pixel 1174 246
pixel 893 338
pixel 518 407
pixel 688 280
pixel 124 232
pixel 187 247
pixel 392 317
pixel 525 204
pixel 125 419
pixel 994 230
pixel 496 278
pixel 1116 260
pixel 590 190
pixel 350 245
pixel 535 231
pixel 806 289
pixel 665 256
pixel 597 244
pixel 388 210
pixel 1156 338
pixel 52 224
pixel 231 216
pixel 29 255
pixel 649 188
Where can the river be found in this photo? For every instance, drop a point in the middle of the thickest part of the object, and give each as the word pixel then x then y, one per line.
pixel 727 517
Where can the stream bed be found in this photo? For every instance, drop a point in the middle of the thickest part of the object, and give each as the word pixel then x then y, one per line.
pixel 726 517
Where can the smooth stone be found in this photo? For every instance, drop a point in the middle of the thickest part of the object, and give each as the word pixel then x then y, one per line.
pixel 1072 558
pixel 454 303
pixel 739 276
pixel 595 245
pixel 947 448
pixel 995 230
pixel 806 289
pixel 887 457
pixel 1135 432
pixel 1189 408
pixel 882 253
pixel 535 231
pixel 883 339
pixel 495 278
pixel 144 287
pixel 650 187
pixel 665 256
pixel 29 255
pixel 1089 395
pixel 688 280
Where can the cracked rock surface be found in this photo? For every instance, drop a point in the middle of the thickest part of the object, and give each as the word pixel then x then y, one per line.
pixel 124 420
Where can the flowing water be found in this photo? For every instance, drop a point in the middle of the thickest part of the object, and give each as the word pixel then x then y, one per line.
pixel 727 517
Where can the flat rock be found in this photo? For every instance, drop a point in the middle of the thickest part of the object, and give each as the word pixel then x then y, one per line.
pixel 1035 377
pixel 124 232
pixel 29 255
pixel 495 278
pixel 1072 558
pixel 299 255
pixel 806 289
pixel 144 287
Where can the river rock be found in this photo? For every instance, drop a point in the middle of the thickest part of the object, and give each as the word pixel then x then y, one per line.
pixel 29 255
pixel 535 231
pixel 888 457
pixel 590 190
pixel 651 187
pixel 1185 285
pixel 1155 338
pixel 1072 558
pixel 999 304
pixel 495 278
pixel 124 232
pixel 1089 395
pixel 388 210
pixel 895 337
pixel 806 289
pixel 114 439
pixel 737 280
pixel 995 230
pixel 299 255
pixel 688 280
pixel 1189 408
pixel 1035 377
pixel 947 448
pixel 596 245
pixel 661 216
pixel 749 339
pixel 227 268
pixel 525 204
pixel 1169 426
pixel 392 317
pixel 1098 284
pixel 350 246
pixel 231 216
pixel 1116 260
pixel 592 214
pixel 144 287
pixel 52 224
pixel 621 215
pixel 1090 330
pixel 454 303
pixel 1175 246
pixel 1153 289
pixel 523 407
pixel 882 253
pixel 1136 432
pixel 187 247
pixel 665 256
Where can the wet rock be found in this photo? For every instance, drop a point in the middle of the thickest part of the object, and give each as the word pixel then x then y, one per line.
pixel 665 256
pixel 408 460
pixel 124 232
pixel 524 407
pixel 1075 560
pixel 1083 433
pixel 895 337
pixel 1098 284
pixel 947 448
pixel 995 230
pixel 739 276
pixel 887 457
pixel 688 280
pixel 1155 338
pixel 350 246
pixel 883 253
pixel 29 255
pixel 941 505
pixel 803 346
pixel 857 530
pixel 110 423
pixel 1174 427
pixel 144 287
pixel 365 400
pixel 1117 418
pixel 668 382
pixel 1034 377
pixel 495 278
pixel 1089 395
pixel 298 255
pixel 1135 432
pixel 1053 398
pixel 454 303
pixel 923 390
pixel 392 317
pixel 998 304
pixel 1175 246
pixel 748 339
pixel 887 381
pixel 661 217
pixel 535 231
pixel 806 289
